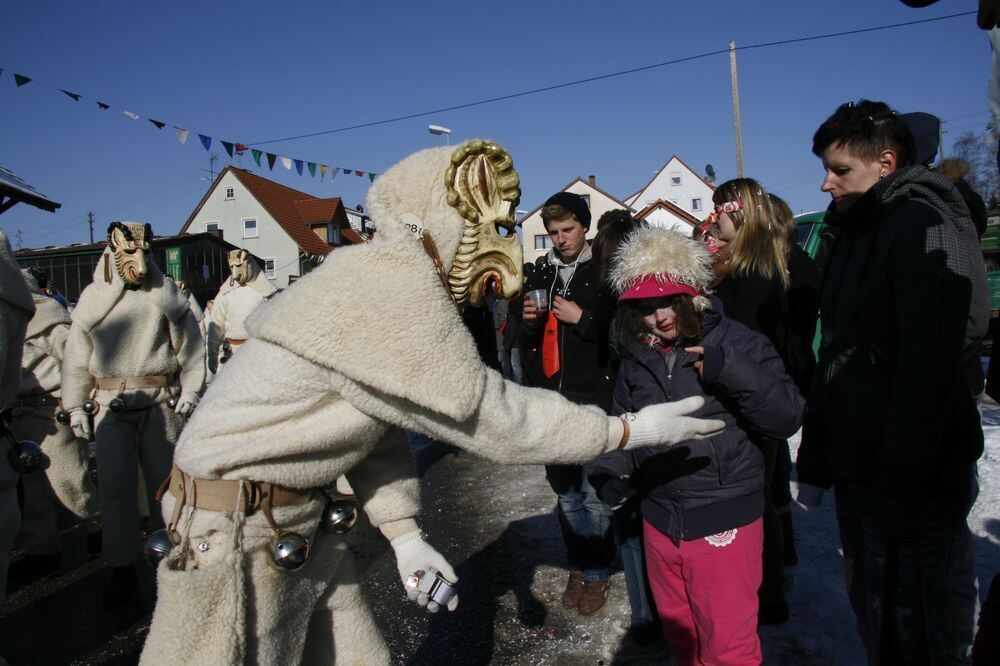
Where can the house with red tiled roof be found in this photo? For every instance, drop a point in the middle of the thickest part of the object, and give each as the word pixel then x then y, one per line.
pixel 291 231
pixel 678 184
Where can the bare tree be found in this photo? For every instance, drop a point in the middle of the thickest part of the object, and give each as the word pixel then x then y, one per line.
pixel 980 153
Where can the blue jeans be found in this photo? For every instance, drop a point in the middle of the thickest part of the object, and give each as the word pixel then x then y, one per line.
pixel 926 581
pixel 510 364
pixel 628 534
pixel 585 521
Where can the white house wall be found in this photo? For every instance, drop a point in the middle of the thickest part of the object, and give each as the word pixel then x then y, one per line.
pixel 271 243
pixel 663 218
pixel 691 187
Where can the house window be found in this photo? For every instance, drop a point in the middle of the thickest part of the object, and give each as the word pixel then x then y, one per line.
pixel 230 193
pixel 542 242
pixel 675 180
pixel 250 228
pixel 211 226
pixel 333 234
pixel 269 268
pixel 695 204
pixel 586 198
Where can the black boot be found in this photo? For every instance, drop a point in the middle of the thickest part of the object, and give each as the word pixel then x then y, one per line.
pixel 122 587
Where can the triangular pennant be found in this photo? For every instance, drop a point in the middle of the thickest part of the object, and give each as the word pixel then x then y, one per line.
pixel 312 169
pixel 333 172
pixel 371 178
pixel 322 171
pixel 158 124
pixel 182 134
pixel 286 162
pixel 256 155
pixel 103 106
pixel 21 80
pixel 298 166
pixel 229 148
pixel 129 114
pixel 240 148
pixel 76 98
pixel 359 173
pixel 271 157
pixel 205 141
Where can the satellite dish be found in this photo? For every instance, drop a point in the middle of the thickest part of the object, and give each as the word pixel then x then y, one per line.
pixel 710 172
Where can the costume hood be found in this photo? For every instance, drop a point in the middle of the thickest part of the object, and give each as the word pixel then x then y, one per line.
pixel 256 279
pixel 14 288
pixel 101 295
pixel 48 311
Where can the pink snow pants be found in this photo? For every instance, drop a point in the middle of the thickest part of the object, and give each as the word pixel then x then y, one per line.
pixel 706 594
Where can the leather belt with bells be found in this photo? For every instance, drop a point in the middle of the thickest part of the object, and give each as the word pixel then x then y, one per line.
pixel 123 383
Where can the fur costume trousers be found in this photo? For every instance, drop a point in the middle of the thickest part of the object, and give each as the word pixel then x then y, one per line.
pixel 137 438
pixel 66 480
pixel 220 600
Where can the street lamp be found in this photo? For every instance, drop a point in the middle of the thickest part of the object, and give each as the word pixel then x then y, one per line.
pixel 438 130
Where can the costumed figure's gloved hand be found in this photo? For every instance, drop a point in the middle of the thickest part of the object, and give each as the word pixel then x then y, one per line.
pixel 79 422
pixel 186 403
pixel 414 559
pixel 662 424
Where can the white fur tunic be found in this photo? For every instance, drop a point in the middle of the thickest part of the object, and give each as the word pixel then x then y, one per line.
pixel 43 348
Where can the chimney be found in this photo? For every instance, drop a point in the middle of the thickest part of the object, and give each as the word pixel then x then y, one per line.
pixel 592 180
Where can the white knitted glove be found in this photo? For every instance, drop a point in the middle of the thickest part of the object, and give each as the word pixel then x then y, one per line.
pixel 79 423
pixel 665 424
pixel 186 403
pixel 413 555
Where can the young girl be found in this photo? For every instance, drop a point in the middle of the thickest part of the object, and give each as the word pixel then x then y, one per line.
pixel 701 500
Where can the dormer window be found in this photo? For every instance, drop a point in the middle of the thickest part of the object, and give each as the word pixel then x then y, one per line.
pixel 332 234
pixel 230 193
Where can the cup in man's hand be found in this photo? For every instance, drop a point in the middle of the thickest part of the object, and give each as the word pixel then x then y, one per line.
pixel 540 299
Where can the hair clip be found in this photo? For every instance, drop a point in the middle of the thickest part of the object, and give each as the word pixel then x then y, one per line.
pixel 729 206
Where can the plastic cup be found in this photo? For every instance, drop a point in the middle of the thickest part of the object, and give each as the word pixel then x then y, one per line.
pixel 540 298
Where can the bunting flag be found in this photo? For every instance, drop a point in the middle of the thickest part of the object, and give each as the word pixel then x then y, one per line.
pixel 206 140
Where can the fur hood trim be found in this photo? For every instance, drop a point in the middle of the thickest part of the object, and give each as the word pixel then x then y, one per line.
pixel 99 297
pixel 14 289
pixel 258 283
pixel 378 314
pixel 49 313
pixel 666 255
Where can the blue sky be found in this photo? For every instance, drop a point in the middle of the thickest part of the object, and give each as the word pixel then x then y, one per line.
pixel 255 70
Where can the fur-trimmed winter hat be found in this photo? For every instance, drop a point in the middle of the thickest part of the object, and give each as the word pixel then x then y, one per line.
pixel 654 262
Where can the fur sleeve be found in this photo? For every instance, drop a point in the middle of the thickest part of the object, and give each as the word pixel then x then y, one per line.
pixel 216 326
pixel 190 349
pixel 77 383
pixel 386 480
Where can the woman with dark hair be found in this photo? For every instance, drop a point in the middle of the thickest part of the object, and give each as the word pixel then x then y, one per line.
pixel 701 500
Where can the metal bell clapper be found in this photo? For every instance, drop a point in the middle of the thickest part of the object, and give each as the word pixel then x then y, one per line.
pixel 290 550
pixel 31 457
pixel 172 401
pixel 62 416
pixel 157 546
pixel 339 515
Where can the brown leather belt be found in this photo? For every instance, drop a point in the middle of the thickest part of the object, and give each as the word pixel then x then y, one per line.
pixel 221 494
pixel 122 383
pixel 235 342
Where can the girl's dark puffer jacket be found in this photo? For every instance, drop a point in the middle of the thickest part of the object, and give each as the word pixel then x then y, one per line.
pixel 703 487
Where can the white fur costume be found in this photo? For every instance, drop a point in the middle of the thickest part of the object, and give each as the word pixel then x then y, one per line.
pixel 119 332
pixel 16 308
pixel 233 305
pixel 367 344
pixel 34 418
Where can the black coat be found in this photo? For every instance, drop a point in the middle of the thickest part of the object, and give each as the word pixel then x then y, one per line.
pixel 758 302
pixel 583 347
pixel 803 313
pixel 703 487
pixel 904 308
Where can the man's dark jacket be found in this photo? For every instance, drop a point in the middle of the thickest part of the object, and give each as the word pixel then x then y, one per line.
pixel 703 487
pixel 904 308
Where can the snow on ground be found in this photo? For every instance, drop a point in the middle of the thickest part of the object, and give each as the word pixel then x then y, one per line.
pixel 821 629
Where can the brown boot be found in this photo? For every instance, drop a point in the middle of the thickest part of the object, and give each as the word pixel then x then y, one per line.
pixel 574 589
pixel 595 593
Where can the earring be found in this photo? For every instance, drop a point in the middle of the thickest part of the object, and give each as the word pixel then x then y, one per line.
pixel 881 174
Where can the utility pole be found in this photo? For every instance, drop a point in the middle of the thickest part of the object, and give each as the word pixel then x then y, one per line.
pixel 941 142
pixel 90 222
pixel 736 109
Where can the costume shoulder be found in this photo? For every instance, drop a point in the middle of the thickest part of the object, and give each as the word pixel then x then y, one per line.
pixel 48 314
pixel 378 314
pixel 14 288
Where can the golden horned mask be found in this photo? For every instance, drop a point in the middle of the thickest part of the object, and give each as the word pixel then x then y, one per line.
pixel 484 188
pixel 241 267
pixel 130 244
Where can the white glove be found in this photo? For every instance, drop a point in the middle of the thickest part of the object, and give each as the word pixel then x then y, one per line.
pixel 809 496
pixel 186 403
pixel 413 555
pixel 665 424
pixel 79 422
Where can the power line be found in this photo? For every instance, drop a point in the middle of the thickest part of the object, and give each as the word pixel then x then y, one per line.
pixel 602 77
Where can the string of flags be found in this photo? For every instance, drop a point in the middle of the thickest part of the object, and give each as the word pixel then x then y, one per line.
pixel 231 147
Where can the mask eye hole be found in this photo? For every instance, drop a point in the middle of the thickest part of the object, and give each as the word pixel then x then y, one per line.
pixel 502 231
